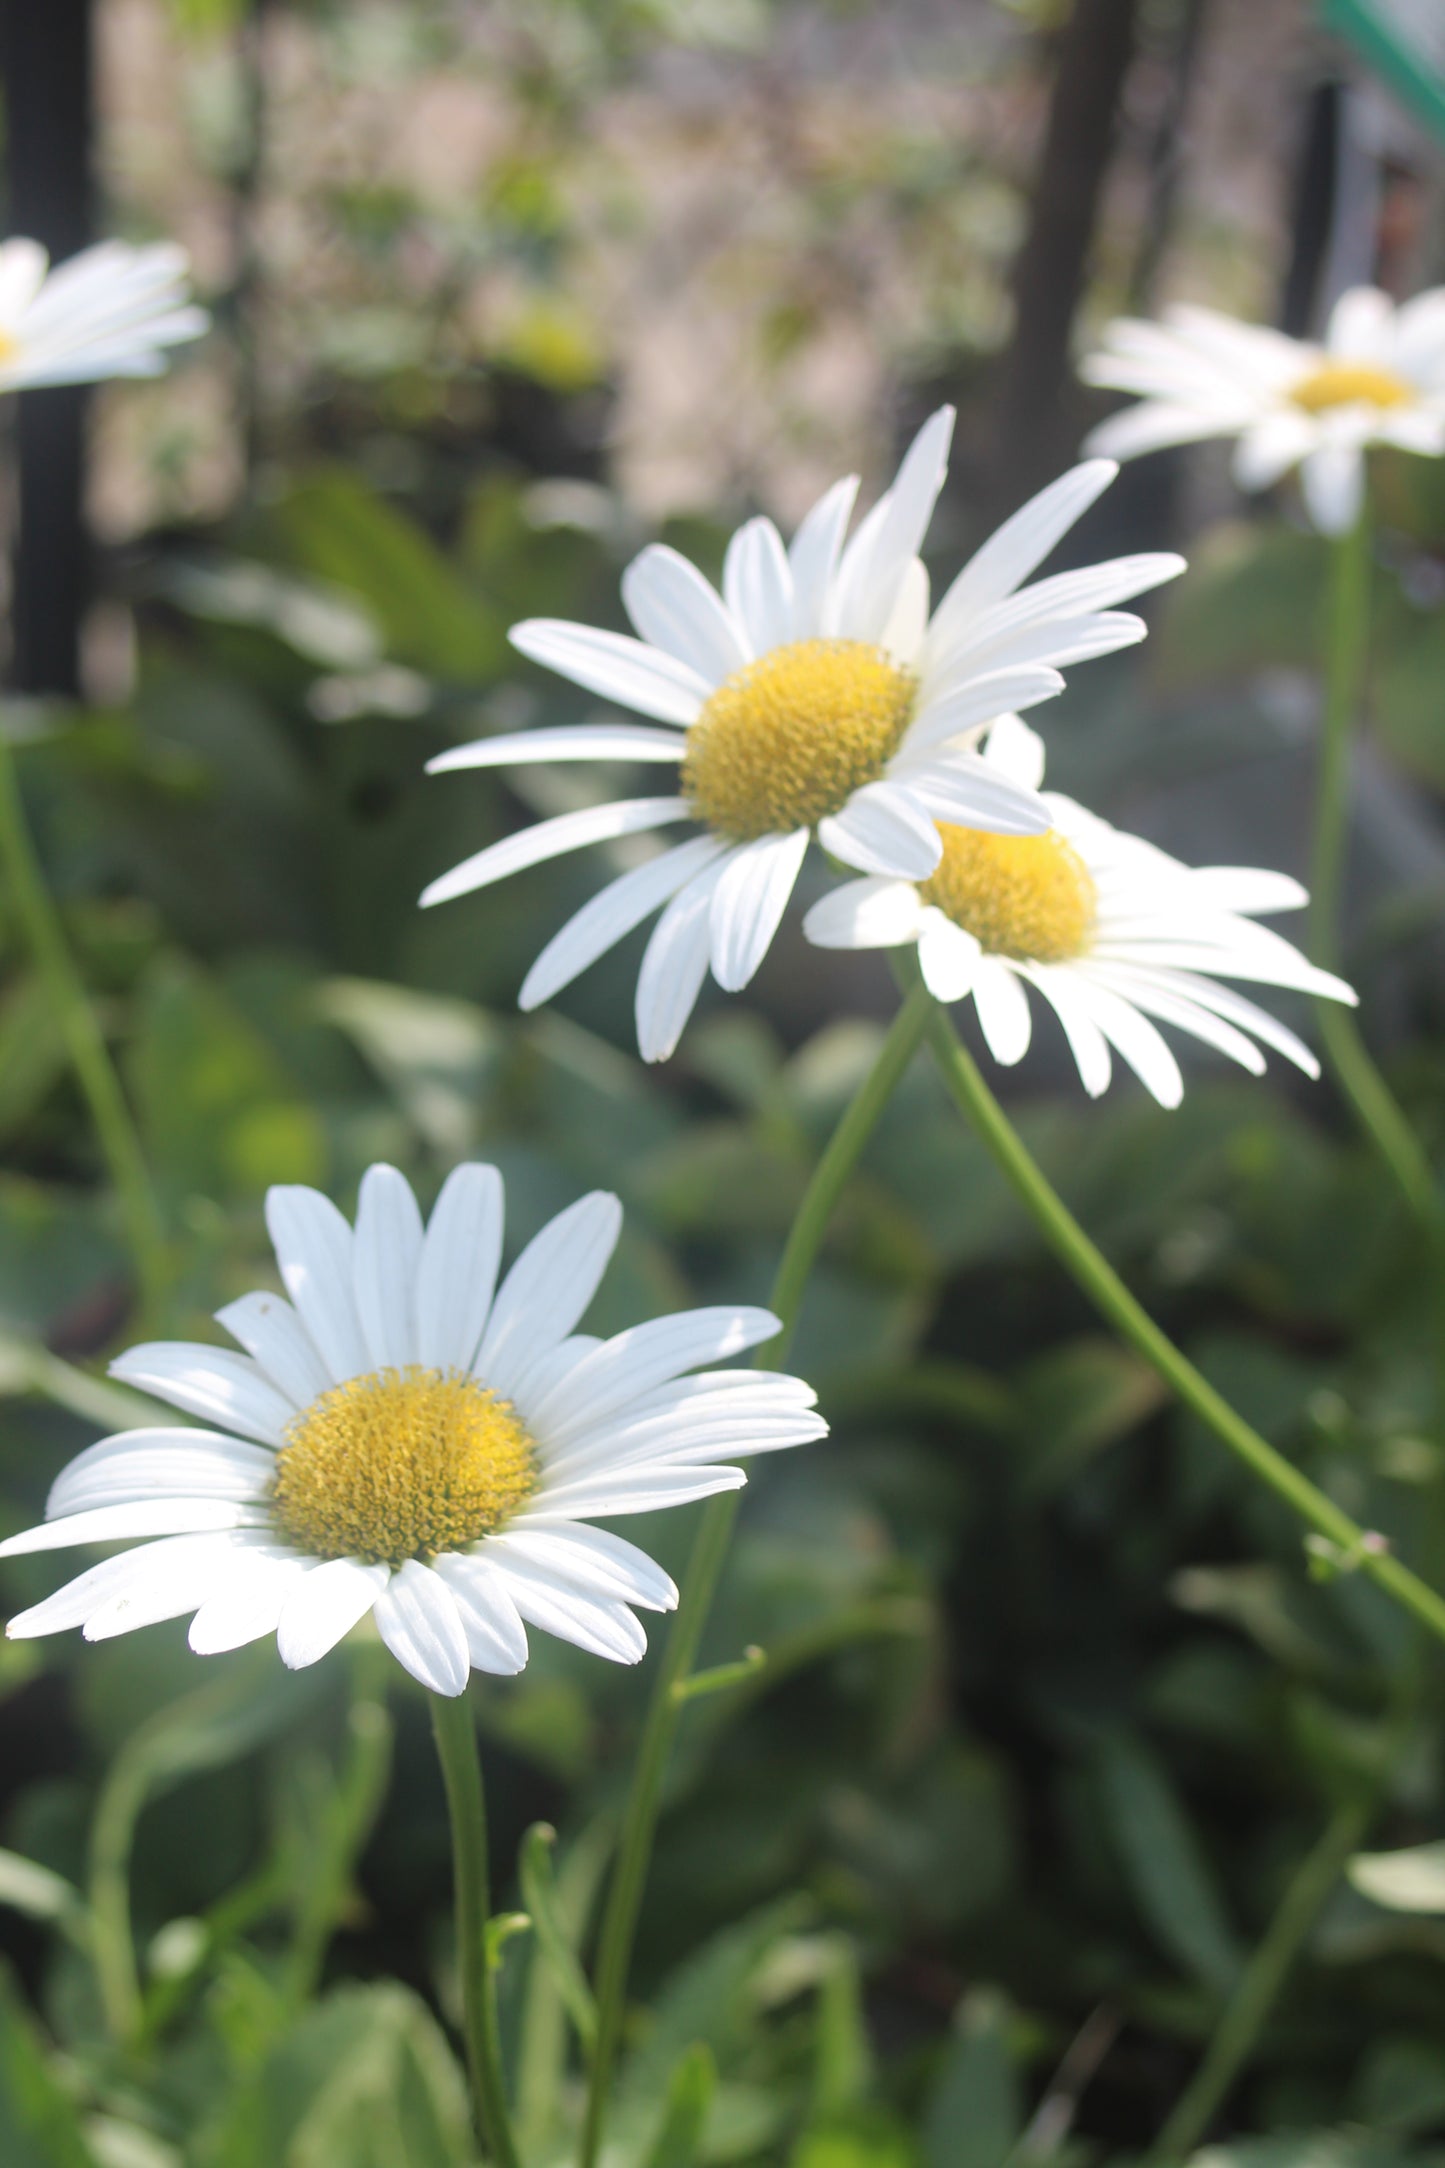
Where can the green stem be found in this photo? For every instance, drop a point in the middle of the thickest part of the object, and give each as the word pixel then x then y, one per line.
pixel 1261 1983
pixel 1347 636
pixel 456 1739
pixel 84 1040
pixel 1354 1547
pixel 639 1826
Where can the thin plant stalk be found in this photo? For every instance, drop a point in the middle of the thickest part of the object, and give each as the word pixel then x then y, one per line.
pixel 1347 640
pixel 1350 1547
pixel 1262 1982
pixel 84 1041
pixel 455 1732
pixel 639 1826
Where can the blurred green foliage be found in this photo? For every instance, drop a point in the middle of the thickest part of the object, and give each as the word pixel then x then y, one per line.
pixel 963 1873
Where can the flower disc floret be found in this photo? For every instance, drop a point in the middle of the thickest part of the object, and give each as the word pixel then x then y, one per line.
pixel 402 1464
pixel 784 743
pixel 1348 383
pixel 1028 897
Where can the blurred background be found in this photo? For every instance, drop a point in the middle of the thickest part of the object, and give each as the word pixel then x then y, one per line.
pixel 1054 1711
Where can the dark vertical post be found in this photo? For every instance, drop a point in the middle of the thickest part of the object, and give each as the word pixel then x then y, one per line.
pixel 45 60
pixel 1037 416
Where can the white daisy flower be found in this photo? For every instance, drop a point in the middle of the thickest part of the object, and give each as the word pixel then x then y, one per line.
pixel 814 696
pixel 110 311
pixel 400 1440
pixel 1378 378
pixel 1110 930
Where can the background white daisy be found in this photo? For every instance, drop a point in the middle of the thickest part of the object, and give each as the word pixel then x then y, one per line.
pixel 110 311
pixel 397 1398
pixel 1378 378
pixel 814 696
pixel 1109 929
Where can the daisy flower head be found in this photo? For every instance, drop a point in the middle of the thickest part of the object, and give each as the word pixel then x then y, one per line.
pixel 408 1439
pixel 815 696
pixel 110 311
pixel 1111 931
pixel 1378 377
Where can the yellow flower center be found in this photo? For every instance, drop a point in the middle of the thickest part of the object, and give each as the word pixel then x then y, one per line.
pixel 401 1464
pixel 787 740
pixel 9 347
pixel 1029 897
pixel 1348 383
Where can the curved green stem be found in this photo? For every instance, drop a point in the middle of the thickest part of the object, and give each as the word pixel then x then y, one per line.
pixel 84 1041
pixel 1262 1982
pixel 629 1876
pixel 1351 1545
pixel 1346 664
pixel 456 1738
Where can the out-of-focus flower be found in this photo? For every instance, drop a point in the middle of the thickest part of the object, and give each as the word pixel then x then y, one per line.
pixel 401 1441
pixel 1378 378
pixel 110 311
pixel 1109 929
pixel 814 696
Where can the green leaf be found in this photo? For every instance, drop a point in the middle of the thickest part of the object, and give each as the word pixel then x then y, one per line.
pixel 32 1052
pixel 363 2080
pixel 539 1896
pixel 1165 1866
pixel 1077 1399
pixel 344 534
pixel 974 2115
pixel 1411 1880
pixel 32 1889
pixel 39 2123
pixel 842 2058
pixel 690 2094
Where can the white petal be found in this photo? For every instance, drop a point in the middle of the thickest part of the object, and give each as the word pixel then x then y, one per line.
pixel 1087 1043
pixel 139 1464
pixel 23 265
pixel 904 632
pixel 496 1637
pixel 1172 1007
pixel 457 1274
pixel 169 1594
pixel 685 1442
pixel 883 830
pixel 225 1388
pixel 1333 481
pixel 977 701
pixel 1003 1010
pixel 971 792
pixel 1133 1036
pixel 1016 751
pixel 323 1606
pixel 1020 545
pixel 676 609
pixel 628 671
pixel 900 536
pixel 548 1368
pixel 419 1622
pixel 141 1517
pixel 948 957
pixel 186 1568
pixel 748 903
pixel 758 586
pixel 270 1331
pixel 639 1490
pixel 385 1253
pixel 248 1606
pixel 814 556
pixel 591 1560
pixel 1154 426
pixel 551 839
pixel 611 915
pixel 636 1361
pixel 1274 444
pixel 1360 326
pixel 674 965
pixel 549 1287
pixel 579 741
pixel 1064 597
pixel 1047 643
pixel 604 1629
pixel 871 913
pixel 1246 888
pixel 1207 994
pixel 313 1248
